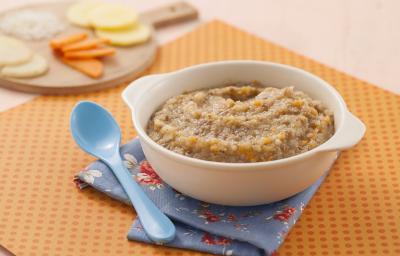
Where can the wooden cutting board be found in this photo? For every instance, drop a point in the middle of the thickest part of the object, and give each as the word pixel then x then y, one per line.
pixel 125 65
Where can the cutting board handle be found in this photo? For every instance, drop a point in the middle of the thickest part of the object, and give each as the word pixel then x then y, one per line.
pixel 170 14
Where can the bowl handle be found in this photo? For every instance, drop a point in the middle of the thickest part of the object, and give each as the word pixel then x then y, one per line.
pixel 348 136
pixel 137 88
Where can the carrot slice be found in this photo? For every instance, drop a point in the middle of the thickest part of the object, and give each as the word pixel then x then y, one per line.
pixel 58 43
pixel 91 67
pixel 88 54
pixel 84 45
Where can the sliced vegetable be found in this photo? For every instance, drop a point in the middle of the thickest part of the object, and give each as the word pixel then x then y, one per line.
pixel 125 37
pixel 88 54
pixel 112 16
pixel 58 43
pixel 85 45
pixel 36 66
pixel 91 67
pixel 78 14
pixel 13 51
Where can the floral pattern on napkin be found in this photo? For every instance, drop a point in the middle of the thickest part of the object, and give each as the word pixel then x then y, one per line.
pixel 224 230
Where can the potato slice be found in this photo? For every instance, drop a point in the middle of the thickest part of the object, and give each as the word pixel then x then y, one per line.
pixel 112 16
pixel 125 37
pixel 78 14
pixel 35 67
pixel 13 51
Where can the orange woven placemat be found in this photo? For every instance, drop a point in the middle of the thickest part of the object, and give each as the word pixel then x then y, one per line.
pixel 355 212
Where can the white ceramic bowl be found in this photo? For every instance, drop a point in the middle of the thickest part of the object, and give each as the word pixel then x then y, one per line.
pixel 239 183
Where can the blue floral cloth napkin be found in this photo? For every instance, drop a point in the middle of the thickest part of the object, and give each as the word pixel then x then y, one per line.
pixel 224 230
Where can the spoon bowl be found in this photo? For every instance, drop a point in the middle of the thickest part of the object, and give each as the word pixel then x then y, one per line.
pixel 95 130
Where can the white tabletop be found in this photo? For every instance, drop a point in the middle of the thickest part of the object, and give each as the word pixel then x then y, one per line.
pixel 360 37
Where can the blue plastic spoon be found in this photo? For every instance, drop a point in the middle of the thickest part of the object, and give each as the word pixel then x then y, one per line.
pixel 96 132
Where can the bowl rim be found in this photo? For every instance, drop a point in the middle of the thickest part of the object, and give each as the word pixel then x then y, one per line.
pixel 232 165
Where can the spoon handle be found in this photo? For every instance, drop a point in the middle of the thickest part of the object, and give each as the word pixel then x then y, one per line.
pixel 156 224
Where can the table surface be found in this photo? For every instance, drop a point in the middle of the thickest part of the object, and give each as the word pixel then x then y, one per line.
pixel 356 36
